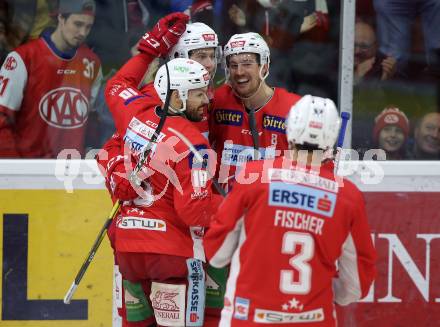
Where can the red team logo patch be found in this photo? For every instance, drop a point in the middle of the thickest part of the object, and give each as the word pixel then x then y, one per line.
pixel 10 63
pixel 64 107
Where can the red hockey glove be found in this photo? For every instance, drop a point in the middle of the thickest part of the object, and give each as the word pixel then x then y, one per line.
pixel 164 35
pixel 120 185
pixel 322 20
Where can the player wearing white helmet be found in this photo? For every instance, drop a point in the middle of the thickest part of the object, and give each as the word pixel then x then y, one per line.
pixel 133 107
pixel 314 124
pixel 247 111
pixel 157 237
pixel 317 248
pixel 190 81
pixel 199 42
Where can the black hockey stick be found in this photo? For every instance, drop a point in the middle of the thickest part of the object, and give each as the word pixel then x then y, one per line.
pixel 133 178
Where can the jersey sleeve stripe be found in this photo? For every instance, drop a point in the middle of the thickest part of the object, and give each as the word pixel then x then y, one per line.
pixel 347 287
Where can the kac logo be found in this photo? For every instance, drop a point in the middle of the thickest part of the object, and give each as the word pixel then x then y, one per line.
pixel 65 107
pixel 10 63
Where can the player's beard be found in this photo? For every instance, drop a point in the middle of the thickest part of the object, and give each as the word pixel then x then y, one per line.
pixel 194 115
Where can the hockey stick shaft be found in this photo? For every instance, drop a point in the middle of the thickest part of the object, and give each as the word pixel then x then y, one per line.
pixel 91 254
pixel 198 157
pixel 345 117
pixel 115 209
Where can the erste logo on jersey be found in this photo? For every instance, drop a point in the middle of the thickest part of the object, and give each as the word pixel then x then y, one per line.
pixel 274 123
pixel 64 107
pixel 228 117
pixel 10 63
pixel 302 197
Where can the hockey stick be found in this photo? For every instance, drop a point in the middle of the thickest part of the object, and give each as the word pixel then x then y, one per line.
pixel 198 157
pixel 345 116
pixel 133 178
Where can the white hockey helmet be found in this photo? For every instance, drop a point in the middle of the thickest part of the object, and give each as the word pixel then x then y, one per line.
pixel 196 36
pixel 248 43
pixel 185 75
pixel 313 120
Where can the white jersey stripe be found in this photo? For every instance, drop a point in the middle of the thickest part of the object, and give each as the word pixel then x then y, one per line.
pixel 347 286
pixel 240 233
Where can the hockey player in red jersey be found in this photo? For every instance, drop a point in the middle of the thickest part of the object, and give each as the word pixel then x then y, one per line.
pixel 247 116
pixel 48 86
pixel 158 236
pixel 198 42
pixel 297 241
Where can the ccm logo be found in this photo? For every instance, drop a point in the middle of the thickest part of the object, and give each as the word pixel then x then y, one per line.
pixel 66 71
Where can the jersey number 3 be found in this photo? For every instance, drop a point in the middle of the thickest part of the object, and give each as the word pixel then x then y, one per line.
pixel 302 247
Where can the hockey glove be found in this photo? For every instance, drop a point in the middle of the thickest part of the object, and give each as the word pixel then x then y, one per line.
pixel 120 185
pixel 164 35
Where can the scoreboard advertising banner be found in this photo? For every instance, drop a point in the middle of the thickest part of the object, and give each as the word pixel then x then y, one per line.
pixel 50 216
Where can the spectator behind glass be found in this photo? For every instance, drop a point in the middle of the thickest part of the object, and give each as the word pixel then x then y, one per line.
pixel 394 22
pixel 390 132
pixel 426 138
pixel 48 86
pixel 368 61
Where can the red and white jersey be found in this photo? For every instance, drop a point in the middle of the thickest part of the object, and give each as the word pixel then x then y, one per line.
pixel 125 84
pixel 230 133
pixel 289 235
pixel 177 204
pixel 49 96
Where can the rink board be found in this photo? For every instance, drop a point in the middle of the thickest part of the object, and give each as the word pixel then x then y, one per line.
pixel 46 231
pixel 45 234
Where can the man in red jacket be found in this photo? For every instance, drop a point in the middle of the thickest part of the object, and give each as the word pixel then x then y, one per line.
pixel 295 239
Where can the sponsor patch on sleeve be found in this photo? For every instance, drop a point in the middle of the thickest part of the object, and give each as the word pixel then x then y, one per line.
pixel 139 134
pixel 194 162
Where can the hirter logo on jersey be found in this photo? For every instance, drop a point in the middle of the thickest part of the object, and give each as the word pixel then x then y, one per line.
pixel 228 117
pixel 274 123
pixel 10 63
pixel 64 107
